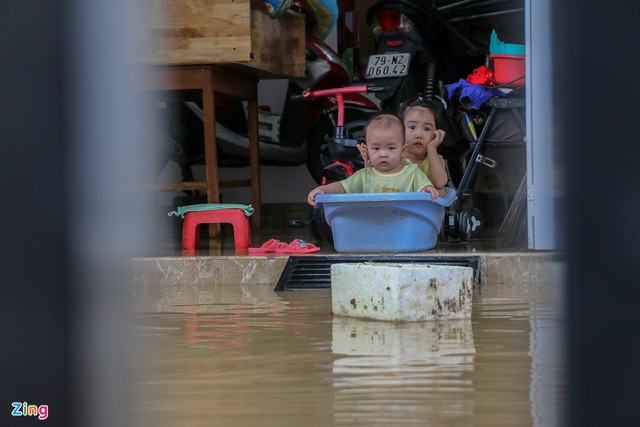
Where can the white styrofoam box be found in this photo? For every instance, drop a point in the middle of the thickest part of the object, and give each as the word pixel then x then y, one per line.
pixel 401 292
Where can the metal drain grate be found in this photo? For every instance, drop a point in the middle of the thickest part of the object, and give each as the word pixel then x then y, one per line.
pixel 314 272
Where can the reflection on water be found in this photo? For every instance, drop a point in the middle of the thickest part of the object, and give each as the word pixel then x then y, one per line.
pixel 389 371
pixel 246 356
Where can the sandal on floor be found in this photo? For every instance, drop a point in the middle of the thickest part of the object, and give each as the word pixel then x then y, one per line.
pixel 298 246
pixel 270 246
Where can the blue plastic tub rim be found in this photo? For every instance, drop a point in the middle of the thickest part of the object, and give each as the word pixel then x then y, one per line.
pixel 447 200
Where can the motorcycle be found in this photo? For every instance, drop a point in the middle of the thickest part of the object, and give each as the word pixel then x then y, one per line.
pixel 303 134
pixel 414 50
pixel 327 114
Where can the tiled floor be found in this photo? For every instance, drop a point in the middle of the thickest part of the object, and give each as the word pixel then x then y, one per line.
pixel 278 223
pixel 166 272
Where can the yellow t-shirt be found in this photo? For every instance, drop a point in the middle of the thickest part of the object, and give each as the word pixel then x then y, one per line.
pixel 369 180
pixel 424 166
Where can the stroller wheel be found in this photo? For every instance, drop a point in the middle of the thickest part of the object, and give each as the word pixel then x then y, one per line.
pixel 471 224
pixel 319 226
pixel 443 235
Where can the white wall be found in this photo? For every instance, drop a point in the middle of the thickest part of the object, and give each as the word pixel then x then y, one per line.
pixel 279 184
pixel 543 183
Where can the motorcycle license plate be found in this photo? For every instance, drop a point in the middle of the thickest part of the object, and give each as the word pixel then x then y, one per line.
pixel 388 65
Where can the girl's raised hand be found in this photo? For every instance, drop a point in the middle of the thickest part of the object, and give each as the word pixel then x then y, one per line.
pixel 436 138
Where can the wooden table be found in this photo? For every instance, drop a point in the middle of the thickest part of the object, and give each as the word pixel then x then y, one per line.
pixel 212 79
pixel 219 47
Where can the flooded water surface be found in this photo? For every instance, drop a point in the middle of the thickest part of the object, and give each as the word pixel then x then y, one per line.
pixel 247 356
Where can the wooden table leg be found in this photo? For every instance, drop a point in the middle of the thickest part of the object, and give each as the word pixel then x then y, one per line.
pixel 254 162
pixel 245 87
pixel 210 142
pixel 210 79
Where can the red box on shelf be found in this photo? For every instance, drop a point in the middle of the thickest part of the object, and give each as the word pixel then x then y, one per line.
pixel 508 68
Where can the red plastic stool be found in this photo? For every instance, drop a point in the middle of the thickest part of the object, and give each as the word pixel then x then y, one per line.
pixel 237 218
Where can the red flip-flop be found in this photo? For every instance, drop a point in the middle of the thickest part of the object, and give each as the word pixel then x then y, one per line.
pixel 270 246
pixel 298 246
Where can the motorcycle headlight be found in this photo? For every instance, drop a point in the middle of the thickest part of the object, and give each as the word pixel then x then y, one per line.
pixel 390 21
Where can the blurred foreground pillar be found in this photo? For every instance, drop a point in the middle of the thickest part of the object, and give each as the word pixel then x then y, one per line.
pixel 70 215
pixel 595 74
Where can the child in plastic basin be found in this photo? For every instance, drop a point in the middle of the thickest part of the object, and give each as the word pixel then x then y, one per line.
pixel 423 138
pixel 385 146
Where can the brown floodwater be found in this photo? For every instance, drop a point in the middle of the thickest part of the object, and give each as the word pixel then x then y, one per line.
pixel 247 356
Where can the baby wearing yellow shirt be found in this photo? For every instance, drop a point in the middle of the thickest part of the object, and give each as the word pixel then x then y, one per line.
pixel 386 147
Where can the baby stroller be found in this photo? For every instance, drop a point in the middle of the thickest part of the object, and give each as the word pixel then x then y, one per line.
pixel 504 126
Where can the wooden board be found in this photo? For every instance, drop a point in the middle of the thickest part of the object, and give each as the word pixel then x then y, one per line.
pixel 178 32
